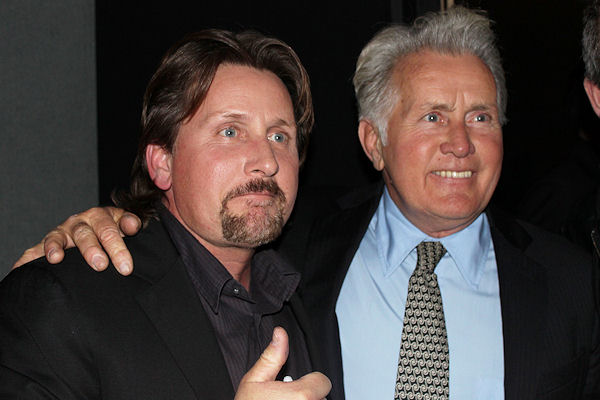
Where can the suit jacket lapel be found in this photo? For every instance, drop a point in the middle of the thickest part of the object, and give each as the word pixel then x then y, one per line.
pixel 523 294
pixel 173 307
pixel 333 242
pixel 304 321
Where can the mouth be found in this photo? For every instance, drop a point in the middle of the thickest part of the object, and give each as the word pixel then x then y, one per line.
pixel 454 174
pixel 258 192
pixel 259 195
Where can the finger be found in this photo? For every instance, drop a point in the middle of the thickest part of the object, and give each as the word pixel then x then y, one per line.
pixel 129 223
pixel 87 242
pixel 95 232
pixel 54 244
pixel 110 224
pixel 271 360
pixel 30 254
pixel 313 386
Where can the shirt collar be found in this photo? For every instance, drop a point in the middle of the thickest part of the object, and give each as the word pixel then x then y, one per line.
pixel 273 281
pixel 208 275
pixel 397 237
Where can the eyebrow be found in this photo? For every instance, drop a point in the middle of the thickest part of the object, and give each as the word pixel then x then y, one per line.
pixel 245 117
pixel 227 115
pixel 438 106
pixel 482 107
pixel 283 122
pixel 447 107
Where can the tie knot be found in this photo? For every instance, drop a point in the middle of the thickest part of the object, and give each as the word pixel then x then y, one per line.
pixel 429 254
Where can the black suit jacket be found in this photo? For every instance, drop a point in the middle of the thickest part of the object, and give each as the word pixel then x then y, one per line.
pixel 67 332
pixel 549 312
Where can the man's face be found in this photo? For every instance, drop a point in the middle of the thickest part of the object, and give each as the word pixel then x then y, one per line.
pixel 444 152
pixel 234 167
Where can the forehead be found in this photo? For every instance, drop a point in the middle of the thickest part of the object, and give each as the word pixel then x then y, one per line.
pixel 428 75
pixel 246 87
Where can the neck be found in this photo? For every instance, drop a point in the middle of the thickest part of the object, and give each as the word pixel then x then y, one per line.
pixel 236 261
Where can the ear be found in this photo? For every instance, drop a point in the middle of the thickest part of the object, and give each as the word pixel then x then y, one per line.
pixel 159 162
pixel 593 93
pixel 371 143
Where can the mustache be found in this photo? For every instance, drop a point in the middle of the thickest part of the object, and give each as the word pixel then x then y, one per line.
pixel 254 186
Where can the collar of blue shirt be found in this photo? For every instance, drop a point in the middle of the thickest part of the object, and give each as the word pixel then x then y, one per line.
pixel 468 247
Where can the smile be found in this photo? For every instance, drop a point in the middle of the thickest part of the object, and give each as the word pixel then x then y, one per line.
pixel 453 174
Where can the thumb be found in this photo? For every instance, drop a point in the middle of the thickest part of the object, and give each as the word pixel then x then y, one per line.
pixel 271 360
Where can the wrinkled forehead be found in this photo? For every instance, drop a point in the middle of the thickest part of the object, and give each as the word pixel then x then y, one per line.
pixel 427 73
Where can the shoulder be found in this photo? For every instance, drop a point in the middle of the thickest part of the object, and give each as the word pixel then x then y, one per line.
pixel 550 247
pixel 543 246
pixel 40 287
pixel 524 248
pixel 40 281
pixel 569 269
pixel 553 250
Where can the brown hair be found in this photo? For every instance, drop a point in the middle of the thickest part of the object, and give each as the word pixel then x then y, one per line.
pixel 180 84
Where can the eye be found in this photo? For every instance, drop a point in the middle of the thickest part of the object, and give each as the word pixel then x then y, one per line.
pixel 479 117
pixel 228 132
pixel 432 117
pixel 482 118
pixel 278 137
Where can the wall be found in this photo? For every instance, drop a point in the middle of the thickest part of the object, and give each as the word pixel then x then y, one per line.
pixel 48 155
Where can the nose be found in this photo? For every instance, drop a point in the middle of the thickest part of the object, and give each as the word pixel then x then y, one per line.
pixel 261 159
pixel 458 141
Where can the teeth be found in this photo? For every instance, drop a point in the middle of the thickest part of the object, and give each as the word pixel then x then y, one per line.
pixel 453 174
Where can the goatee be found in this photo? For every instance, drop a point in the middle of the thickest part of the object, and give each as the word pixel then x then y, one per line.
pixel 257 225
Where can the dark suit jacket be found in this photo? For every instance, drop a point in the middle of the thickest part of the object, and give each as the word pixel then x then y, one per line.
pixel 67 332
pixel 550 319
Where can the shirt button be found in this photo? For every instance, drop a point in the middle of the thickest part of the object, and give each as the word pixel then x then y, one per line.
pixel 236 291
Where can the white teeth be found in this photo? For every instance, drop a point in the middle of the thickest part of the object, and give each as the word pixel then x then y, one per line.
pixel 453 174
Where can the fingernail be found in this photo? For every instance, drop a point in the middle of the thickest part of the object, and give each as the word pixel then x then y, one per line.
pixel 125 267
pixel 276 338
pixel 137 221
pixel 51 254
pixel 97 262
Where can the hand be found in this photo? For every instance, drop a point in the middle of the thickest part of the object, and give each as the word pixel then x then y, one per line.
pixel 91 231
pixel 259 383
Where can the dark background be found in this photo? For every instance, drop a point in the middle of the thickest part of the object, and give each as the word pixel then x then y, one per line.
pixel 539 41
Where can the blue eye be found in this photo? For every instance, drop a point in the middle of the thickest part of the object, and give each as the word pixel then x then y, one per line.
pixel 482 118
pixel 278 137
pixel 228 132
pixel 432 117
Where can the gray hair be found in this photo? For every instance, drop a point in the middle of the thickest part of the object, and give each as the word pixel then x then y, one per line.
pixel 456 31
pixel 591 42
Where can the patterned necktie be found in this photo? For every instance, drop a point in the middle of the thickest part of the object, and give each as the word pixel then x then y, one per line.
pixel 423 371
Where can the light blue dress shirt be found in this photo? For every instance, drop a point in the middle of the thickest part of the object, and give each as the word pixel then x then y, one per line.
pixel 370 308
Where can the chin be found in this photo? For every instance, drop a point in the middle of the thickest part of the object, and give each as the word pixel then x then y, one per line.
pixel 458 216
pixel 252 230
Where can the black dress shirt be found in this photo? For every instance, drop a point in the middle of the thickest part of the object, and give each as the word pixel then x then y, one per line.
pixel 243 322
